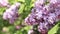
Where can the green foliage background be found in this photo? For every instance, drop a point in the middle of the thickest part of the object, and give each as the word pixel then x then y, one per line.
pixel 24 11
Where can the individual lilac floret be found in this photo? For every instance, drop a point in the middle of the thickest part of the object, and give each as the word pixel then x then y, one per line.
pixel 11 14
pixel 4 3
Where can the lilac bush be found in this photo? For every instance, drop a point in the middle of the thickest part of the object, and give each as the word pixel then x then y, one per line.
pixel 44 15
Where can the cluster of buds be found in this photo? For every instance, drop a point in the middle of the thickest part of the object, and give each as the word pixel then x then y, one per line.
pixel 46 15
pixel 11 13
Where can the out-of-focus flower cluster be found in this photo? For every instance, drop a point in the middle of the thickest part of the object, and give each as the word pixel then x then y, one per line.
pixel 46 15
pixel 4 3
pixel 11 13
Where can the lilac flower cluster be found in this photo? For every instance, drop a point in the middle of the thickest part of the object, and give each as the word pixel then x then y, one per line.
pixel 11 13
pixel 44 15
pixel 4 3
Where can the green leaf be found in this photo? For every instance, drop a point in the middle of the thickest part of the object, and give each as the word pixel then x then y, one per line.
pixel 27 28
pixel 54 29
pixel 11 1
pixel 21 8
pixel 2 10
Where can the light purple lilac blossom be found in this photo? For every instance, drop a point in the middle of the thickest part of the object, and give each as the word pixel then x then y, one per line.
pixel 4 3
pixel 11 13
pixel 44 15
